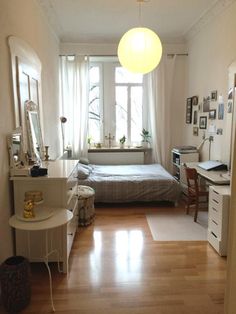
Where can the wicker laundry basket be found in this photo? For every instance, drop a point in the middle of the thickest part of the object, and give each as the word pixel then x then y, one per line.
pixel 86 197
pixel 15 283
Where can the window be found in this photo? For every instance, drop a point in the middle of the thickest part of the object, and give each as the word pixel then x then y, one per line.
pixel 115 103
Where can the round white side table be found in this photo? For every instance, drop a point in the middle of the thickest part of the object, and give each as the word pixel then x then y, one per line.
pixel 60 217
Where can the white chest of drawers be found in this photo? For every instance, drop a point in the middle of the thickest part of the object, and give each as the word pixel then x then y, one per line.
pixel 59 191
pixel 219 197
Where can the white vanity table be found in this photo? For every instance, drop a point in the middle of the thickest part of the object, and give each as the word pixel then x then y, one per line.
pixel 59 191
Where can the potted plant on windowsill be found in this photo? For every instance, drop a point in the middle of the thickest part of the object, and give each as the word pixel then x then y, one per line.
pixel 145 138
pixel 122 141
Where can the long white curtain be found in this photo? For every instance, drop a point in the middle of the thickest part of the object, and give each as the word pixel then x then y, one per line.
pixel 74 103
pixel 158 87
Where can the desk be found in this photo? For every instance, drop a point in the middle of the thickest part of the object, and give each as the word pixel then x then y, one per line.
pixel 59 218
pixel 218 177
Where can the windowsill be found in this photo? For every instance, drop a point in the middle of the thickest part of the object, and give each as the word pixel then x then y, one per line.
pixel 118 149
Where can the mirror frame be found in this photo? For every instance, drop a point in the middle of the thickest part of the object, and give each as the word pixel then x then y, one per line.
pixel 35 139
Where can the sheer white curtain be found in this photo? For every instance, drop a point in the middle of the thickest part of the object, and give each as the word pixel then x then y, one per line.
pixel 158 87
pixel 74 102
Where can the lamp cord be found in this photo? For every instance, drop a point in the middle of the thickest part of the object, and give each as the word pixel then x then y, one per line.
pixel 139 14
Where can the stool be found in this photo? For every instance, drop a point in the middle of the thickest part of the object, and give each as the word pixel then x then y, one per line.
pixel 86 209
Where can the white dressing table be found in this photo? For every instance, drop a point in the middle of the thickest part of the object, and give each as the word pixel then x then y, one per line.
pixel 59 191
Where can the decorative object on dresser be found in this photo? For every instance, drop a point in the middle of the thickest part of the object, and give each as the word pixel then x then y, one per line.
pixel 189 111
pixel 219 197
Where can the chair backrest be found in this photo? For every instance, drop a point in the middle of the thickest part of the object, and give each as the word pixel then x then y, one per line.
pixel 192 180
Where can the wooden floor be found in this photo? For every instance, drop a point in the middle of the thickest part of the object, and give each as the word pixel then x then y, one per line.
pixel 116 267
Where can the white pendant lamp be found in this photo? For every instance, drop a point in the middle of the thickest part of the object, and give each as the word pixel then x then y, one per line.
pixel 140 49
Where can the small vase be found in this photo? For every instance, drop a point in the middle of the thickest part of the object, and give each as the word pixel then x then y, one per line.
pixel 122 145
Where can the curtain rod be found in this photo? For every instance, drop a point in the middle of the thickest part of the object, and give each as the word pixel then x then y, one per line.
pixel 72 55
pixel 176 54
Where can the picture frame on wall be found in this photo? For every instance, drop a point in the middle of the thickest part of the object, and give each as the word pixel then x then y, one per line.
pixel 214 95
pixel 195 117
pixel 212 114
pixel 206 104
pixel 189 110
pixel 221 111
pixel 202 122
pixel 195 131
pixel 194 100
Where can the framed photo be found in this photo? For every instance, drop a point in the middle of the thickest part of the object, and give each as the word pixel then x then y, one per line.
pixel 195 130
pixel 221 111
pixel 230 105
pixel 202 122
pixel 206 104
pixel 195 117
pixel 212 114
pixel 189 111
pixel 214 95
pixel 194 100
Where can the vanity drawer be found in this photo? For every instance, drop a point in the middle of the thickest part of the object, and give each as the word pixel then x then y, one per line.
pixel 71 231
pixel 72 200
pixel 72 179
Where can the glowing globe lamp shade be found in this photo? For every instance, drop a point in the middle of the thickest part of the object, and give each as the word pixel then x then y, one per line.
pixel 140 50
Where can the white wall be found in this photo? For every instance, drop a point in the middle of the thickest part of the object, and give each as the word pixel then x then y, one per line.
pixel 211 51
pixel 24 19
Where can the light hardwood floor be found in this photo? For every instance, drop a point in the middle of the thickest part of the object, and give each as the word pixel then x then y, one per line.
pixel 116 267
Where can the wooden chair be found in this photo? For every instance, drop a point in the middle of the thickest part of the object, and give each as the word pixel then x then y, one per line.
pixel 196 194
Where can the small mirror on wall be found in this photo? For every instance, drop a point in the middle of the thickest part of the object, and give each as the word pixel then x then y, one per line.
pixel 34 133
pixel 18 164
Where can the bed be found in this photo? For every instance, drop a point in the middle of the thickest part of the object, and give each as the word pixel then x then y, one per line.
pixel 129 183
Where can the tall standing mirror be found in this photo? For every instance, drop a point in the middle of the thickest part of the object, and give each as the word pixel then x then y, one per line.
pixel 35 139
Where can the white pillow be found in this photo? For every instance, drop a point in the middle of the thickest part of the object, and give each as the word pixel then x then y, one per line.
pixel 84 161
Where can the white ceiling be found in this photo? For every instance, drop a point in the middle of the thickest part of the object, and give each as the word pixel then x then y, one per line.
pixel 104 21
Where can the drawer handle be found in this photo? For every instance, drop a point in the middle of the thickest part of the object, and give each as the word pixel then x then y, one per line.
pixel 214 222
pixel 213 234
pixel 215 201
pixel 70 234
pixel 214 209
pixel 216 192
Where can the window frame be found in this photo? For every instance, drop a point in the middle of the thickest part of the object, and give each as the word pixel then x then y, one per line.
pixel 107 85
